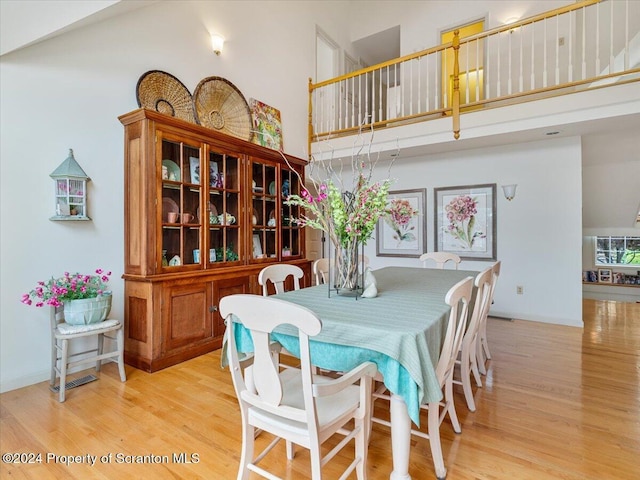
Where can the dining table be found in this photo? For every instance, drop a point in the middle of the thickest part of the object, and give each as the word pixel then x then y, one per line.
pixel 401 330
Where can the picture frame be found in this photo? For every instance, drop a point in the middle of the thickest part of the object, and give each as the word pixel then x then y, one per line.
pixel 605 275
pixel 213 173
pixel 618 277
pixel 407 237
pixel 194 169
pixel 465 221
pixel 257 246
pixel 267 125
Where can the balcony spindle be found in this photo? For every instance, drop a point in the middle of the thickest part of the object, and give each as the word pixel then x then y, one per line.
pixel 557 51
pixel 584 46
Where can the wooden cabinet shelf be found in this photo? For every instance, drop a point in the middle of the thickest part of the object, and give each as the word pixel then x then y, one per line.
pixel 191 197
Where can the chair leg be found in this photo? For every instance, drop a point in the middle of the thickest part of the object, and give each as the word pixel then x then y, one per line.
pixel 120 343
pixel 54 361
pixel 483 339
pixel 290 451
pixel 316 461
pixel 450 404
pixel 480 359
pixel 485 347
pixel 64 359
pixel 246 457
pixel 465 373
pixel 474 366
pixel 362 444
pixel 100 350
pixel 434 440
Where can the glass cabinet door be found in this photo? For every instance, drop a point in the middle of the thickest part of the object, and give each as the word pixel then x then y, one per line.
pixel 263 210
pixel 291 232
pixel 181 193
pixel 223 212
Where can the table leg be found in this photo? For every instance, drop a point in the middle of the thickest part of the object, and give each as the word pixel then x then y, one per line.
pixel 400 438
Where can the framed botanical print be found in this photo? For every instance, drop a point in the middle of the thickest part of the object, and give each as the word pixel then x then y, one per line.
pixel 401 232
pixel 465 221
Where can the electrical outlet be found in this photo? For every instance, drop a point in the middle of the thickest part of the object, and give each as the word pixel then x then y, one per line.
pixel 519 289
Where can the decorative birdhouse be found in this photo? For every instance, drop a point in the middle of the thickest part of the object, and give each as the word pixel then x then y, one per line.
pixel 70 190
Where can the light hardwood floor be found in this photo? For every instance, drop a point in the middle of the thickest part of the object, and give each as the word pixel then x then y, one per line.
pixel 558 403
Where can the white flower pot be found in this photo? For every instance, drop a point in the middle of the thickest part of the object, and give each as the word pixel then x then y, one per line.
pixel 87 310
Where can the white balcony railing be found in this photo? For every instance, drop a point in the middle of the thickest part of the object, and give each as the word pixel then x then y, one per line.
pixel 591 44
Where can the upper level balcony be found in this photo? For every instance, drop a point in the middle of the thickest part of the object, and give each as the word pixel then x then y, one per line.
pixel 569 69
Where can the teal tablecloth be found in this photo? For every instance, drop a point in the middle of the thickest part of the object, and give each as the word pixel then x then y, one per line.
pixel 401 330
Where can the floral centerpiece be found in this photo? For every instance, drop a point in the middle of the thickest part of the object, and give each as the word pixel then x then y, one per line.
pixel 347 214
pixel 398 216
pixel 69 288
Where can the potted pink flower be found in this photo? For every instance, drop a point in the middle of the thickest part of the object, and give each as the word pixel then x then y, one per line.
pixel 86 298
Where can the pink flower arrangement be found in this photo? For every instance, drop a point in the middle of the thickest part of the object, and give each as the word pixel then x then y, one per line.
pixel 55 291
pixel 347 217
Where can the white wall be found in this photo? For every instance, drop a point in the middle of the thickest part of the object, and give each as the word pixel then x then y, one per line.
pixel 372 16
pixel 67 92
pixel 539 232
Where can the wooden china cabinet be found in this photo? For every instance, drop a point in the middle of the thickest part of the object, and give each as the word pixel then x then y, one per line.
pixel 204 213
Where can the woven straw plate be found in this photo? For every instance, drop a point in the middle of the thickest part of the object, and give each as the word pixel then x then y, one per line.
pixel 220 105
pixel 164 93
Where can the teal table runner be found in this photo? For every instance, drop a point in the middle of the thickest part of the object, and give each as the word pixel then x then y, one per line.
pixel 401 330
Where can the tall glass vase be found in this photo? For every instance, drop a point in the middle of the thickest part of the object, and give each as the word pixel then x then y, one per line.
pixel 346 274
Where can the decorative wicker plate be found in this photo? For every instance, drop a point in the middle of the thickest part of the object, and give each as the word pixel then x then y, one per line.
pixel 221 106
pixel 164 93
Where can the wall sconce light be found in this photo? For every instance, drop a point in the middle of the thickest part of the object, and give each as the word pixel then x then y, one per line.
pixel 217 43
pixel 509 191
pixel 70 190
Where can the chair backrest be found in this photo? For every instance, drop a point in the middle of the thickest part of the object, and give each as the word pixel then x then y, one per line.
pixel 56 316
pixel 496 273
pixel 440 259
pixel 481 304
pixel 277 274
pixel 458 299
pixel 261 385
pixel 321 270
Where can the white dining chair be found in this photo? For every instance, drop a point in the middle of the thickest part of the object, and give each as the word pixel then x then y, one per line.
pixel 440 259
pixel 293 404
pixel 277 275
pixel 63 334
pixel 467 357
pixel 483 354
pixel 322 266
pixel 320 270
pixel 457 298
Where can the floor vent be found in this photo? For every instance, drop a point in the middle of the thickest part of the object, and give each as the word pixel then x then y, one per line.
pixel 75 383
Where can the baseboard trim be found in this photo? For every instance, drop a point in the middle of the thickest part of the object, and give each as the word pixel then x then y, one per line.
pixel 498 317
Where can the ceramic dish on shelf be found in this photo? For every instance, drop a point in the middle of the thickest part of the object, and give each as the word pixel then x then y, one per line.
pixel 212 211
pixel 256 218
pixel 168 205
pixel 272 219
pixel 173 170
pixel 272 188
